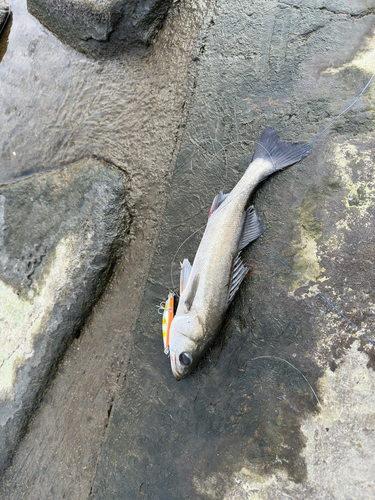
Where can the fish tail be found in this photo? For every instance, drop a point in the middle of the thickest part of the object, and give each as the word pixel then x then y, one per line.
pixel 280 154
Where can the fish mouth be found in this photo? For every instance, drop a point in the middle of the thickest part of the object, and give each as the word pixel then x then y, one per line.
pixel 176 374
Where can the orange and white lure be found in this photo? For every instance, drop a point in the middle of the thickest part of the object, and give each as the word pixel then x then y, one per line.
pixel 168 315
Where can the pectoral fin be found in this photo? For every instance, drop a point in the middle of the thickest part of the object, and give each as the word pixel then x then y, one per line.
pixel 192 292
pixel 253 227
pixel 218 200
pixel 184 274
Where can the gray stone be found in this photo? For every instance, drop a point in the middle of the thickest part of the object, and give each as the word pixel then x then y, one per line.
pixel 126 111
pixel 4 12
pixel 100 28
pixel 60 236
pixel 242 427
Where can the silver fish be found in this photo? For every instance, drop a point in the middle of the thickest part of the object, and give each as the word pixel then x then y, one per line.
pixel 209 285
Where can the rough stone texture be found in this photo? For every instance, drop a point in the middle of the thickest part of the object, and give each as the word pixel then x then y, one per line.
pixel 59 107
pixel 4 11
pixel 87 24
pixel 237 427
pixel 241 427
pixel 60 236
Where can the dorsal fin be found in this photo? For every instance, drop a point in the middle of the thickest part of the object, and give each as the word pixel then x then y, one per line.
pixel 253 227
pixel 218 200
pixel 184 274
pixel 191 295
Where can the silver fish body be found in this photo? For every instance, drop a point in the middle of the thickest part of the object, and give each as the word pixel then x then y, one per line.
pixel 209 285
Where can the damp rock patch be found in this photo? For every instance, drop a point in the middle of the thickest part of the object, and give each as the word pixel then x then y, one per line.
pixel 60 236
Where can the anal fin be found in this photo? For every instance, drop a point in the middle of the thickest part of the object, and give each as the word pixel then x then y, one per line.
pixel 238 274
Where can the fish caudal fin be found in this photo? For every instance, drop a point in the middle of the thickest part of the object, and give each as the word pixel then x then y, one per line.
pixel 280 154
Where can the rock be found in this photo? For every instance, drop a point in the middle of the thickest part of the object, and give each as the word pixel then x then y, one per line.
pixel 60 235
pixel 94 108
pixel 246 423
pixel 4 13
pixel 101 28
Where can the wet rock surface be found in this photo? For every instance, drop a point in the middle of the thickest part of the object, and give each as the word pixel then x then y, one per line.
pixel 101 28
pixel 60 236
pixel 246 422
pixel 239 426
pixel 127 112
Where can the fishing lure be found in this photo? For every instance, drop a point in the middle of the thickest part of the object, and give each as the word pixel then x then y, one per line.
pixel 168 315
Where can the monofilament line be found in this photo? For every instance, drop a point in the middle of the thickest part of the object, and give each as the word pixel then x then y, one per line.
pixel 318 293
pixel 175 255
pixel 316 138
pixel 290 364
pixel 342 112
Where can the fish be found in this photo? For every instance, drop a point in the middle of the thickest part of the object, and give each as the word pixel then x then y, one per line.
pixel 208 287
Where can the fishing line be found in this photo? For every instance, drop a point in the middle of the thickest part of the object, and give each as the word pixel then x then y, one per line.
pixel 316 291
pixel 290 364
pixel 175 255
pixel 308 148
pixel 342 112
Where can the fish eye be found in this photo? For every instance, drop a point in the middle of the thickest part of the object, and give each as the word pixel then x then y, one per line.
pixel 185 359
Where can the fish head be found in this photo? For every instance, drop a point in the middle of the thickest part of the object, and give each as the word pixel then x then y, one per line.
pixel 185 338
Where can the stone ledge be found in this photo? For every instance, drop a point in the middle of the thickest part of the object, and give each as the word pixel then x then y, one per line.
pixel 60 235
